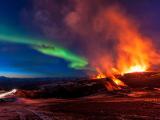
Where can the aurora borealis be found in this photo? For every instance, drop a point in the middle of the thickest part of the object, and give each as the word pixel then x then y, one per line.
pixel 48 48
pixel 45 47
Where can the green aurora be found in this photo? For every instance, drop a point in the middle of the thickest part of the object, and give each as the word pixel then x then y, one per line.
pixel 46 47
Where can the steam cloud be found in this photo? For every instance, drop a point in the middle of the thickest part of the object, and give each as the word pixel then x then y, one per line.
pixel 99 29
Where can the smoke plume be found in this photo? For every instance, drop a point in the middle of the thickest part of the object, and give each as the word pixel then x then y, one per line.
pixel 97 29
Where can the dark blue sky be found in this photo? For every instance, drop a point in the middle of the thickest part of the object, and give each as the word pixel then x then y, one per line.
pixel 18 60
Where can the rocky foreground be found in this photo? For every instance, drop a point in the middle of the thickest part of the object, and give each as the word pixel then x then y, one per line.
pixel 138 105
pixel 87 100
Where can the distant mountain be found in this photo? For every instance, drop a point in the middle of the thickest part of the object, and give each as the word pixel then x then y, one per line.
pixel 7 83
pixel 3 78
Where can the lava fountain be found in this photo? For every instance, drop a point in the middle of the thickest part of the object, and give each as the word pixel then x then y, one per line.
pixel 134 52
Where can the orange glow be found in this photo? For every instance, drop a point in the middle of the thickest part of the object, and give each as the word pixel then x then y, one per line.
pixel 135 53
pixel 99 76
pixel 137 68
pixel 118 82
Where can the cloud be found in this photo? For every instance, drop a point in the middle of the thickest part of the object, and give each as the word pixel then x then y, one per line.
pixel 88 27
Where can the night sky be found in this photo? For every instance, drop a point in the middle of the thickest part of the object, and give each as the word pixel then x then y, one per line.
pixel 31 29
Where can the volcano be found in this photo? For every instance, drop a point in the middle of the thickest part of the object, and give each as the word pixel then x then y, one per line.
pixel 79 60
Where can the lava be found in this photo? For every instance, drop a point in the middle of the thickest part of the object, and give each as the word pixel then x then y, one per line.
pixel 137 68
pixel 134 51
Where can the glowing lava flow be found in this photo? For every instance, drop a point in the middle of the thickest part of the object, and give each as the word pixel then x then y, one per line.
pixel 118 82
pixel 112 83
pixel 100 74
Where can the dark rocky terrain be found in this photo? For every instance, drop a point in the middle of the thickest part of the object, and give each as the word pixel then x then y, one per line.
pixel 87 100
pixel 137 105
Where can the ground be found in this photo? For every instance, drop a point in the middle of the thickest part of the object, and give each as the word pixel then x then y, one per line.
pixel 138 105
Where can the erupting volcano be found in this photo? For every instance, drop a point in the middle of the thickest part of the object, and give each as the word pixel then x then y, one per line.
pixel 134 52
pixel 79 60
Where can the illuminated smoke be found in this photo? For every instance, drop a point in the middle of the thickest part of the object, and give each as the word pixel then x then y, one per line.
pixel 77 24
pixel 135 52
pixel 103 32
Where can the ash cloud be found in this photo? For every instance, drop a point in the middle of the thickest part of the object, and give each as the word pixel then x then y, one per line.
pixel 83 26
pixel 79 25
